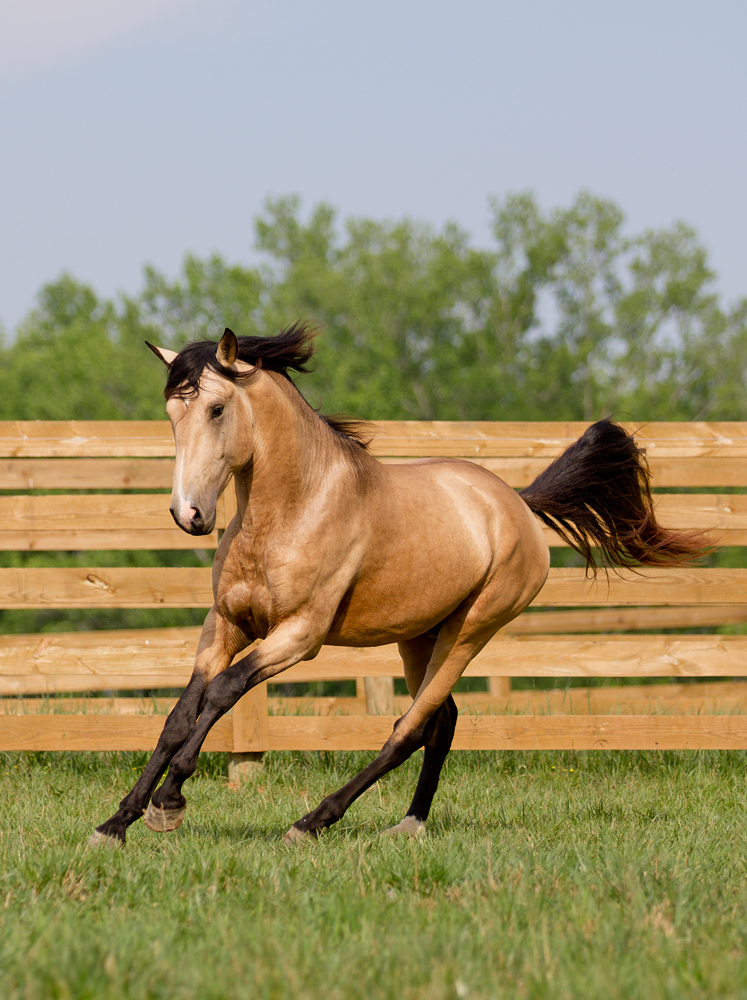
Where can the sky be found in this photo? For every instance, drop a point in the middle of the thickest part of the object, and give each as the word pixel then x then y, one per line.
pixel 136 132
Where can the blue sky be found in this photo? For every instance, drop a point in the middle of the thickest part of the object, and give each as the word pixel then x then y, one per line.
pixel 132 133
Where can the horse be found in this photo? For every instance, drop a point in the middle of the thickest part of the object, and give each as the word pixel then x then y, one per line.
pixel 329 546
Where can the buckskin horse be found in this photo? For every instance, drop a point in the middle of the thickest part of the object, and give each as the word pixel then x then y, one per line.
pixel 328 546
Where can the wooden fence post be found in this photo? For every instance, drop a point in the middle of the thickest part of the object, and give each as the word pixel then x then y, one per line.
pixel 499 687
pixel 250 734
pixel 379 693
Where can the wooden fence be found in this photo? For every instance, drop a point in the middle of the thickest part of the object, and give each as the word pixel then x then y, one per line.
pixel 588 630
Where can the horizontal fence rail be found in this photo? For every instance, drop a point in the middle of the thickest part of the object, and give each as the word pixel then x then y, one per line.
pixel 176 587
pixel 157 658
pixel 100 486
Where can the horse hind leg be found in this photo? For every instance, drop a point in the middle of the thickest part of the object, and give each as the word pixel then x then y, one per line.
pixel 424 724
pixel 460 638
pixel 415 656
pixel 437 746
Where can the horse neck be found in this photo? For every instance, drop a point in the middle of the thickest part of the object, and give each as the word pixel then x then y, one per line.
pixel 293 454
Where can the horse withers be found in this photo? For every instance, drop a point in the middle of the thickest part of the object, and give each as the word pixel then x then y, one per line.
pixel 328 546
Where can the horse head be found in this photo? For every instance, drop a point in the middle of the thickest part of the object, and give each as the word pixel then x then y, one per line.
pixel 212 422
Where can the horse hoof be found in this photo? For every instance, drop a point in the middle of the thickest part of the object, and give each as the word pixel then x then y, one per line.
pixel 99 839
pixel 296 836
pixel 162 820
pixel 409 827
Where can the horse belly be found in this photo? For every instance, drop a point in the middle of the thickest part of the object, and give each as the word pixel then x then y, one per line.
pixel 401 602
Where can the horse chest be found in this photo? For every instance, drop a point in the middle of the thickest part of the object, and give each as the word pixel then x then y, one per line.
pixel 251 591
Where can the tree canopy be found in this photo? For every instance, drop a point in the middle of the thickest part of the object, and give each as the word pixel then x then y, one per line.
pixel 564 317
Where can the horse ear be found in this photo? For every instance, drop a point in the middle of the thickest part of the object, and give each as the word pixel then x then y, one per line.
pixel 163 353
pixel 228 348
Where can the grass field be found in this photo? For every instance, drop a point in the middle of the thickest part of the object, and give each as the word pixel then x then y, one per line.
pixel 542 875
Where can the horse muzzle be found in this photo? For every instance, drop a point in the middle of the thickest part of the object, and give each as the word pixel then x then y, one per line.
pixel 193 520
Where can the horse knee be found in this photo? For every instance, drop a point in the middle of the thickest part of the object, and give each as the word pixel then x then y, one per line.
pixel 222 694
pixel 174 733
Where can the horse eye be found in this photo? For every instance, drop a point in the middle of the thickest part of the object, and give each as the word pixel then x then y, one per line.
pixel 217 411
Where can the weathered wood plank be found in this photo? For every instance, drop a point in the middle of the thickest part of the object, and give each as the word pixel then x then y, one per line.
pixel 126 659
pixel 648 585
pixel 485 439
pixel 86 439
pixel 86 473
pixel 95 732
pixel 477 439
pixel 176 587
pixel 105 541
pixel 153 473
pixel 640 699
pixel 153 649
pixel 667 472
pixel 702 510
pixel 150 512
pixel 58 705
pixel 516 732
pixel 554 656
pixel 112 648
pixel 62 662
pixel 76 540
pixel 121 587
pixel 613 656
pixel 93 512
pixel 477 732
pixel 629 619
pixel 81 540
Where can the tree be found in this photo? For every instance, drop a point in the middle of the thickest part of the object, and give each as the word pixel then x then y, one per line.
pixel 565 316
pixel 77 357
pixel 209 296
pixel 631 324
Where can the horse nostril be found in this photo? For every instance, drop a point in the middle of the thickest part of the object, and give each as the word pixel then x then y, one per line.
pixel 196 518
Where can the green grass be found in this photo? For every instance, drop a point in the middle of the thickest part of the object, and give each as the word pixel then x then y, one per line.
pixel 610 875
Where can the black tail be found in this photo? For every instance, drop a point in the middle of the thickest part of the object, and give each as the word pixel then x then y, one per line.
pixel 597 494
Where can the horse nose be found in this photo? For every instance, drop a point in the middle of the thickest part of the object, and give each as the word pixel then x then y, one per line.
pixel 188 518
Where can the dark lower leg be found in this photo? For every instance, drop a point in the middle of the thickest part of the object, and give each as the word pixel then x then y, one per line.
pixel 176 729
pixel 436 749
pixel 395 751
pixel 222 694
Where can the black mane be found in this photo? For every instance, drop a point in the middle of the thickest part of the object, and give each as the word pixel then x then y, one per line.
pixel 290 351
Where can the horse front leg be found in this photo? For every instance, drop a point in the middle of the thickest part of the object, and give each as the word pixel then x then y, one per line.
pixel 219 643
pixel 289 644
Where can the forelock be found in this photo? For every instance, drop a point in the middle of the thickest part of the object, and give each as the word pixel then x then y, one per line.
pixel 188 366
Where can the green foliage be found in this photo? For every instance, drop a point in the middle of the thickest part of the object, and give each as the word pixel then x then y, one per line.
pixel 564 317
pixel 77 357
pixel 210 296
